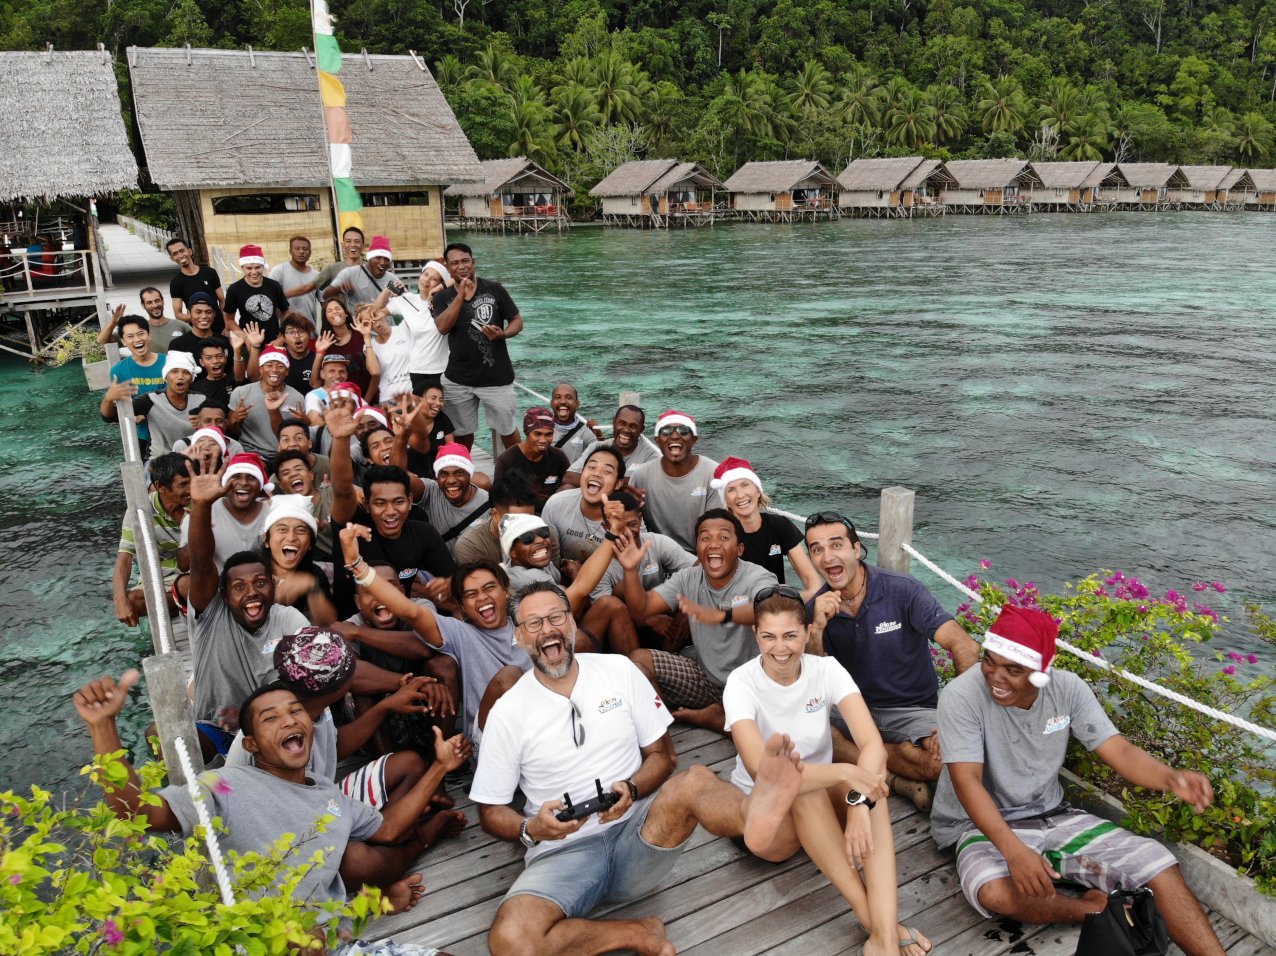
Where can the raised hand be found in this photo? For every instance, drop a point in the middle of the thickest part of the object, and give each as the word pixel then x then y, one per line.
pixel 117 313
pixel 237 340
pixel 206 486
pixel 274 401
pixel 118 391
pixel 466 288
pixel 350 537
pixel 453 752
pixel 325 341
pixel 826 608
pixel 339 422
pixel 100 700
pixel 239 413
pixel 255 335
pixel 629 552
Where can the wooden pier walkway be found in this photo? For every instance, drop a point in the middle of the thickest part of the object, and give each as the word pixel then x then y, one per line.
pixel 720 901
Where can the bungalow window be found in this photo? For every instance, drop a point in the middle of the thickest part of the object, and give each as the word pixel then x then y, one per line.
pixel 395 199
pixel 265 204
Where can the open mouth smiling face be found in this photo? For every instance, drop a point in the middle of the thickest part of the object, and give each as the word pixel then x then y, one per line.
pixel 242 491
pixel 717 548
pixel 483 600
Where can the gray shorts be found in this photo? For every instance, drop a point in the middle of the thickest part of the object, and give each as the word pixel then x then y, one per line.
pixel 614 866
pixel 461 405
pixel 897 725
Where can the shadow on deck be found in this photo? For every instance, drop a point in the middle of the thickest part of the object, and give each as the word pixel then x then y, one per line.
pixel 720 900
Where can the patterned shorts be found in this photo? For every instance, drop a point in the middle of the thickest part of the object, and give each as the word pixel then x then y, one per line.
pixel 1082 848
pixel 367 784
pixel 683 682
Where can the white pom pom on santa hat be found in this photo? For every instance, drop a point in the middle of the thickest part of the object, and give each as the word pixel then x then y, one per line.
pixel 1026 637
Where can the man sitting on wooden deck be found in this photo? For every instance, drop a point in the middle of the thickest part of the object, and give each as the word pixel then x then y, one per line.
pixel 1004 732
pixel 566 723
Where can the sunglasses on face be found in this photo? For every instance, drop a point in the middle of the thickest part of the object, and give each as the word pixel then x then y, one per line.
pixel 682 431
pixel 831 517
pixel 527 537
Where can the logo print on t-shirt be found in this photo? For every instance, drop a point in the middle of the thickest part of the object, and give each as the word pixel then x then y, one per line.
pixel 1055 724
pixel 814 704
pixel 611 703
pixel 259 307
pixel 334 808
pixel 775 549
pixel 268 646
pixel 887 626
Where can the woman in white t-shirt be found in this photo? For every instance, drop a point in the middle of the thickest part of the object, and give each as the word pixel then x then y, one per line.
pixel 840 816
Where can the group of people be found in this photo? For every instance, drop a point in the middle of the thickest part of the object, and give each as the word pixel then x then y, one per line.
pixel 370 613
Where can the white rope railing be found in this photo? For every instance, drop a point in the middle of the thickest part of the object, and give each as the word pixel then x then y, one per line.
pixel 155 582
pixel 801 519
pixel 1099 662
pixel 206 821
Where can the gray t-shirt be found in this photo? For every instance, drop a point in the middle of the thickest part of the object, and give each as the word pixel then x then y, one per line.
pixel 255 433
pixel 166 423
pixel 480 654
pixel 365 287
pixel 230 662
pixel 229 535
pixel 674 504
pixel 259 808
pixel 1022 750
pixel 521 577
pixel 161 335
pixel 478 543
pixel 645 451
pixel 720 648
pixel 444 515
pixel 664 557
pixel 581 438
pixel 323 750
pixel 289 276
pixel 578 535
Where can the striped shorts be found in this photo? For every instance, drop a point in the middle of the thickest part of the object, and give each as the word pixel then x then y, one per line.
pixel 1082 848
pixel 367 784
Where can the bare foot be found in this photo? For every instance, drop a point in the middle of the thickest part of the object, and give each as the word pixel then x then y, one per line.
pixel 404 894
pixel 774 790
pixel 652 940
pixel 441 801
pixel 444 824
pixel 912 942
pixel 917 791
pixel 712 717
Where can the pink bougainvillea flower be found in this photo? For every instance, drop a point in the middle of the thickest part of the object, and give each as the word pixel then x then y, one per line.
pixel 1229 670
pixel 15 879
pixel 1012 584
pixel 1200 586
pixel 111 933
pixel 984 564
pixel 1137 590
pixel 1217 586
pixel 1232 655
pixel 1251 659
pixel 1143 608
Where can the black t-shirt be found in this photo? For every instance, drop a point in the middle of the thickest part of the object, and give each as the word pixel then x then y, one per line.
pixel 545 476
pixel 422 462
pixel 475 360
pixel 264 304
pixel 182 286
pixel 419 548
pixel 190 342
pixel 218 391
pixel 299 370
pixel 770 543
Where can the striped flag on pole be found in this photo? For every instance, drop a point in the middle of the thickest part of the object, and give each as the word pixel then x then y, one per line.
pixel 336 122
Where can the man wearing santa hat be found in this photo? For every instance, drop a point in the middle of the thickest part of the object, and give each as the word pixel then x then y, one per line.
pixel 1004 729
pixel 677 486
pixel 364 282
pixel 256 297
pixel 258 408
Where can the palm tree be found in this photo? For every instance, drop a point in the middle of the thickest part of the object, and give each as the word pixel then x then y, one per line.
pixel 774 109
pixel 619 88
pixel 1002 106
pixel 911 123
pixel 895 92
pixel 533 133
pixel 1253 136
pixel 492 67
pixel 812 87
pixel 948 111
pixel 860 102
pixel 576 114
pixel 1060 108
pixel 1086 138
pixel 449 71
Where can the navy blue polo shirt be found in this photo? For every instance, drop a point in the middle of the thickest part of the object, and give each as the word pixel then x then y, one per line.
pixel 886 647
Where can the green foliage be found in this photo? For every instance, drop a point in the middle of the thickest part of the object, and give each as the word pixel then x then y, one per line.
pixel 155 209
pixel 76 879
pixel 79 343
pixel 1160 639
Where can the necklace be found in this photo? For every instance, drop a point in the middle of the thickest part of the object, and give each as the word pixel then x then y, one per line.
pixel 849 603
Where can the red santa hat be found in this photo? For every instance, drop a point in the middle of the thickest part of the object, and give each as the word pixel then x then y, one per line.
pixel 674 417
pixel 1026 637
pixel 213 432
pixel 273 354
pixel 374 413
pixel 346 390
pixel 453 455
pixel 733 469
pixel 380 247
pixel 247 463
pixel 251 255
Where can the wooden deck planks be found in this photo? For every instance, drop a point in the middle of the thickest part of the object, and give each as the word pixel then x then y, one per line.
pixel 720 901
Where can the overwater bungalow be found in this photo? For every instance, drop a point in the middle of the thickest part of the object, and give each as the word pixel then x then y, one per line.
pixel 1072 186
pixel 238 136
pixel 658 193
pixel 1204 184
pixel 992 186
pixel 1148 185
pixel 1235 189
pixel 65 144
pixel 893 187
pixel 1263 182
pixel 515 195
pixel 783 191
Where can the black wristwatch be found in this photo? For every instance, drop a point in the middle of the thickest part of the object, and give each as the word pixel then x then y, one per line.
pixel 610 536
pixel 633 789
pixel 526 838
pixel 854 798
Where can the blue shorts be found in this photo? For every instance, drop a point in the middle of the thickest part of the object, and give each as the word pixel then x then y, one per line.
pixel 220 739
pixel 614 866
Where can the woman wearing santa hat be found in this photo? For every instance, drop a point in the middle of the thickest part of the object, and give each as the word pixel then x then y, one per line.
pixel 287 550
pixel 768 537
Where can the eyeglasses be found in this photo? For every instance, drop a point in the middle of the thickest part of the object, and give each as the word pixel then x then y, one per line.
pixel 830 517
pixel 783 590
pixel 578 725
pixel 527 537
pixel 682 431
pixel 534 625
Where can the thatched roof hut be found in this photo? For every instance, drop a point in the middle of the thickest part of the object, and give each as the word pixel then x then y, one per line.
pixel 990 183
pixel 1064 175
pixel 514 188
pixel 786 186
pixel 1152 175
pixel 873 175
pixel 626 192
pixel 1264 183
pixel 64 133
pixel 1070 184
pixel 633 178
pixel 232 123
pixel 1202 184
pixel 894 183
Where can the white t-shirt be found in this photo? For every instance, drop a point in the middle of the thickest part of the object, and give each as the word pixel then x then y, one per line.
pixel 394 356
pixel 528 744
pixel 800 709
pixel 429 346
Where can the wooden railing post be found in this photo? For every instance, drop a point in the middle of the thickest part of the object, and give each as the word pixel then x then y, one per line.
pixel 895 526
pixel 166 690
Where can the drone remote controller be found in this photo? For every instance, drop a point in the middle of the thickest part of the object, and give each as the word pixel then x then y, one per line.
pixel 605 800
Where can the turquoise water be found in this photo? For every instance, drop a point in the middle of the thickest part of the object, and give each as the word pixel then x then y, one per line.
pixel 1064 393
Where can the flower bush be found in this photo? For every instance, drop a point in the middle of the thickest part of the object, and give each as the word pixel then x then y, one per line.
pixel 1121 621
pixel 78 343
pixel 76 879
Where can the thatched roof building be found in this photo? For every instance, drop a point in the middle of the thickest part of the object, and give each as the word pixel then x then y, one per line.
pixel 895 183
pixel 517 175
pixel 679 190
pixel 1064 175
pixel 1078 184
pixel 513 191
pixel 791 188
pixel 245 130
pixel 1152 175
pixel 633 178
pixel 990 184
pixel 64 134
